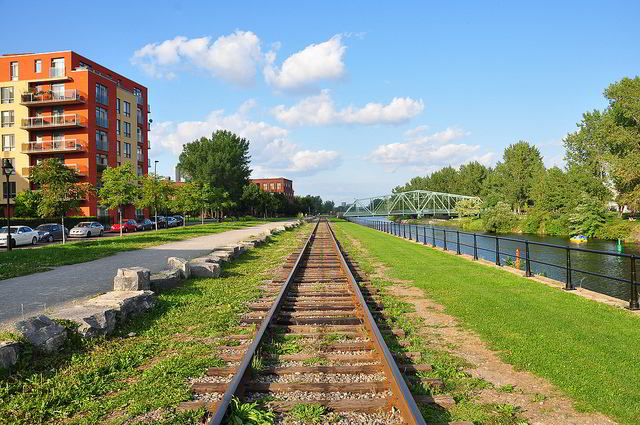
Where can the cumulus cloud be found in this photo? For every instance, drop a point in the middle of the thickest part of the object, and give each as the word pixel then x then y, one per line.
pixel 428 152
pixel 272 152
pixel 316 62
pixel 319 110
pixel 233 57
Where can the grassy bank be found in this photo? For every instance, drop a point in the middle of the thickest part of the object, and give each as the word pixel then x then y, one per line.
pixel 20 262
pixel 141 379
pixel 587 349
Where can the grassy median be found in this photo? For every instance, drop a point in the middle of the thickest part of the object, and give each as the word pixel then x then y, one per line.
pixel 20 262
pixel 141 378
pixel 587 349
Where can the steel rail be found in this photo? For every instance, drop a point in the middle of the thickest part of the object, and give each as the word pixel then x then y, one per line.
pixel 400 392
pixel 240 376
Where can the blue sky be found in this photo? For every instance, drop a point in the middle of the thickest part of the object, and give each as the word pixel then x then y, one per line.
pixel 350 99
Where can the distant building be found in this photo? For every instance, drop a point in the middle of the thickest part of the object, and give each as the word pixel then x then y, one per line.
pixel 178 179
pixel 276 185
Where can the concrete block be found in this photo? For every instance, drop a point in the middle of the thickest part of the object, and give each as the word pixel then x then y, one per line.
pixel 132 279
pixel 126 303
pixel 165 279
pixel 92 320
pixel 202 269
pixel 248 244
pixel 42 332
pixel 223 256
pixel 9 354
pixel 181 264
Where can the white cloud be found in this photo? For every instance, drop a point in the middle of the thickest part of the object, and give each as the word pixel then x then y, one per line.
pixel 320 110
pixel 272 152
pixel 233 57
pixel 316 62
pixel 429 152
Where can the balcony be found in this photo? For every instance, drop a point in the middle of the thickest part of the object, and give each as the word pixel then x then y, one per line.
pixel 54 74
pixel 81 170
pixel 55 146
pixel 48 97
pixel 54 121
pixel 140 157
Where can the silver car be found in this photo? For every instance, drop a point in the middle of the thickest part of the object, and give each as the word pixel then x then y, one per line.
pixel 20 235
pixel 86 229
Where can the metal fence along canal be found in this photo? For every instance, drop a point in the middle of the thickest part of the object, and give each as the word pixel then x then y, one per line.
pixel 610 273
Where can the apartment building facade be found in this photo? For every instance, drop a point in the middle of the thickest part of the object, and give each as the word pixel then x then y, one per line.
pixel 63 105
pixel 275 185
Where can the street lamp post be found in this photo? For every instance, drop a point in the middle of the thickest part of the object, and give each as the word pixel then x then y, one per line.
pixel 155 182
pixel 7 170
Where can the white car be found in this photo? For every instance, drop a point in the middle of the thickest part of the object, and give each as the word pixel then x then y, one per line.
pixel 20 235
pixel 86 229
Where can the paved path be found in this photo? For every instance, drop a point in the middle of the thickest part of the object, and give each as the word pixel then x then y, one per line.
pixel 34 293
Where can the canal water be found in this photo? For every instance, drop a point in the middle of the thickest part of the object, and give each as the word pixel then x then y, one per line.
pixel 547 261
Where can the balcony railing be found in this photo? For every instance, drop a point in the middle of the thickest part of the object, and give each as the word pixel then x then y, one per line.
pixel 63 145
pixel 49 97
pixel 63 120
pixel 57 71
pixel 81 170
pixel 140 157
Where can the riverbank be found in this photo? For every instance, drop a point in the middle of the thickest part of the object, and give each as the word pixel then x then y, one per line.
pixel 614 228
pixel 572 342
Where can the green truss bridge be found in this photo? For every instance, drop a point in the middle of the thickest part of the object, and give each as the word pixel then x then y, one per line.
pixel 415 202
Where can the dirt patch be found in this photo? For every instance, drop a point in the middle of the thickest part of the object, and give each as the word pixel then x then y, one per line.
pixel 541 403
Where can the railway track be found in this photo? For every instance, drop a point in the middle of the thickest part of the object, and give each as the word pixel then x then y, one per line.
pixel 316 340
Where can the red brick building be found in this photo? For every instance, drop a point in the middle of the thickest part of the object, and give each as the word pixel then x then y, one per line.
pixel 275 185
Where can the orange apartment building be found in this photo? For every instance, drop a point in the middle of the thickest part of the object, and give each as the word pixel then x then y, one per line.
pixel 275 185
pixel 63 105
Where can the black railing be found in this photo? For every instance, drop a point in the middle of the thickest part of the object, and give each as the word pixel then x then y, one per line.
pixel 430 235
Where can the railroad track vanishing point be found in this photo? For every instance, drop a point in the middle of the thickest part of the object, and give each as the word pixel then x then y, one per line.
pixel 316 341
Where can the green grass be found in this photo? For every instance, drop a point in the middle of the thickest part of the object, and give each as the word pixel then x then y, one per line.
pixel 308 413
pixel 117 379
pixel 20 262
pixel 587 349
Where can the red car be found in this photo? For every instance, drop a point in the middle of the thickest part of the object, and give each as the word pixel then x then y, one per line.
pixel 128 225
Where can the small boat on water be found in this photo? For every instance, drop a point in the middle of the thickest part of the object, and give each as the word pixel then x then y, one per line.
pixel 578 239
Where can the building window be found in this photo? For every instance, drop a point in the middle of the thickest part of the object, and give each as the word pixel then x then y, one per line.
pixel 38 66
pixel 127 129
pixel 279 186
pixel 138 135
pixel 6 119
pixel 265 186
pixel 127 150
pixel 140 174
pixel 14 71
pixel 57 67
pixel 272 186
pixel 127 109
pixel 117 127
pixel 101 162
pixel 138 93
pixel 8 143
pixel 58 91
pixel 139 154
pixel 101 140
pixel 117 105
pixel 12 190
pixel 6 94
pixel 139 116
pixel 118 148
pixel 102 95
pixel 101 117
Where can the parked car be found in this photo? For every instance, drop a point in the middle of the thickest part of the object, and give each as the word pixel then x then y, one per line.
pixel 180 219
pixel 86 229
pixel 172 222
pixel 145 224
pixel 128 225
pixel 50 232
pixel 20 235
pixel 162 222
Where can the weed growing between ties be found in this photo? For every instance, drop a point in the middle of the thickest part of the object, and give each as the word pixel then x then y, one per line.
pixel 585 348
pixel 446 367
pixel 248 414
pixel 20 262
pixel 141 378
pixel 308 413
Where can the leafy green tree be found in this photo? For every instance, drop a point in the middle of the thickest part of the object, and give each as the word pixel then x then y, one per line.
pixel 221 161
pixel 26 203
pixel 471 178
pixel 498 218
pixel 252 199
pixel 119 188
pixel 588 216
pixel 521 165
pixel 59 188
pixel 220 201
pixel 154 194
pixel 184 200
pixel 469 207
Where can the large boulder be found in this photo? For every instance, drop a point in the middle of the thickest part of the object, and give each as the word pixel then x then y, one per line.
pixel 93 320
pixel 132 279
pixel 223 256
pixel 181 264
pixel 165 279
pixel 42 332
pixel 9 353
pixel 202 269
pixel 126 303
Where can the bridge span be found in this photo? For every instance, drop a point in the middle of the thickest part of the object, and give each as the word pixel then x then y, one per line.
pixel 415 202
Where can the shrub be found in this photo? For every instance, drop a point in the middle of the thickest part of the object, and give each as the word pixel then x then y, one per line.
pixel 498 218
pixel 588 216
pixel 615 228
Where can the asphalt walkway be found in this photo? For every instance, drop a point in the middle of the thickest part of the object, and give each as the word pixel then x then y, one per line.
pixel 28 295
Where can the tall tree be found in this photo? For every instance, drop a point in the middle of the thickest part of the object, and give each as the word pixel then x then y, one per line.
pixel 119 188
pixel 471 178
pixel 60 190
pixel 154 193
pixel 221 161
pixel 522 164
